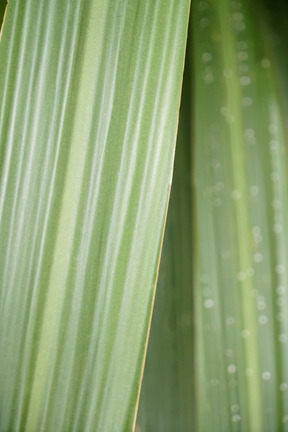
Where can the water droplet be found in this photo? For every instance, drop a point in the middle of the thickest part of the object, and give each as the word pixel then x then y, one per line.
pixel 219 186
pixel 238 16
pixel 206 57
pixel 281 289
pixel 276 204
pixel 204 22
pixel 277 228
pixel 214 382
pixel 208 78
pixel 230 320
pixel 250 272
pixel 250 133
pixel 266 375
pixel 236 4
pixel 241 276
pixel 231 369
pixel 283 386
pixel 245 333
pixel 202 6
pixel 254 190
pixel 262 319
pixel 208 303
pixel 282 338
pixel 280 301
pixel 215 164
pixel 217 202
pixel 236 418
pixel 240 26
pixel 230 118
pixel 258 239
pixel 253 292
pixel 265 63
pixel 247 101
pixel 261 303
pixel 242 45
pixel 256 230
pixel 273 128
pixel 245 80
pixel 249 371
pixel 242 55
pixel 258 257
pixel 227 73
pixel 274 176
pixel 280 268
pixel 235 408
pixel 209 69
pixel 280 316
pixel 243 68
pixel 274 145
pixel 229 352
pixel 236 194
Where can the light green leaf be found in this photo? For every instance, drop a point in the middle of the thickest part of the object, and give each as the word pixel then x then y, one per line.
pixel 89 96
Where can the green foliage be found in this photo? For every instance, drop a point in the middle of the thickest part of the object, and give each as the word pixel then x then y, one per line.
pixel 89 99
pixel 167 401
pixel 3 5
pixel 239 170
pixel 241 200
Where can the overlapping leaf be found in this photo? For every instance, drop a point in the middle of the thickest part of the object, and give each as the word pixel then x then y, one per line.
pixel 167 401
pixel 89 97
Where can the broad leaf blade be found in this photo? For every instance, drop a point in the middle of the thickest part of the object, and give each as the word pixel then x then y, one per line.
pixel 89 98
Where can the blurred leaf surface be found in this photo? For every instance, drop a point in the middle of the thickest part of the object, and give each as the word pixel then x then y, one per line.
pixel 242 210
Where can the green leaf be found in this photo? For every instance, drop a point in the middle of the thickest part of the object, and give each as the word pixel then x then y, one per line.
pixel 167 401
pixel 89 97
pixel 242 213
pixel 3 5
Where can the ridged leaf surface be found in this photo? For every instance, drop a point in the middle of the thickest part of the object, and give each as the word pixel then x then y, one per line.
pixel 89 97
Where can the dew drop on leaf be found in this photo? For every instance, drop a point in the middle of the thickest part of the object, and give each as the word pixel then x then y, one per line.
pixel 231 369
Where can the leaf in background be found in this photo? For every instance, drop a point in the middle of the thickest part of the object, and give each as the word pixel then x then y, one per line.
pixel 275 29
pixel 89 97
pixel 167 396
pixel 242 213
pixel 3 5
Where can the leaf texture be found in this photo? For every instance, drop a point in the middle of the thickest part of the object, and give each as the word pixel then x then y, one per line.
pixel 89 96
pixel 242 209
pixel 167 401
